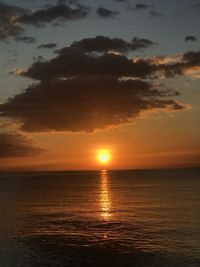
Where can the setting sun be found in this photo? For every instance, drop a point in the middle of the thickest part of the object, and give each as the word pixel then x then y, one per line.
pixel 103 156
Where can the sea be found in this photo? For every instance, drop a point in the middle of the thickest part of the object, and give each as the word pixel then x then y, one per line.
pixel 129 218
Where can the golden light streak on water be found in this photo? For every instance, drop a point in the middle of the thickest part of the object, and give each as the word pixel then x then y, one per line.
pixel 105 197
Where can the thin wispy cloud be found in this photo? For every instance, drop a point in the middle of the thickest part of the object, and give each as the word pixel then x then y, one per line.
pixel 107 13
pixel 25 39
pixel 47 46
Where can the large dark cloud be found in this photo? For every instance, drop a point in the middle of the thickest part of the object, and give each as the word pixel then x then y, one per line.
pixel 73 62
pixel 81 91
pixel 54 13
pixel 105 44
pixel 17 145
pixel 106 13
pixel 8 25
pixel 84 103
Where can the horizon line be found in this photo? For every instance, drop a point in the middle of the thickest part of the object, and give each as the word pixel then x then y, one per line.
pixel 99 170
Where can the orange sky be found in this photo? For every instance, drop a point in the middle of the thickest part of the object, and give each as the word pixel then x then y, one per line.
pixel 158 140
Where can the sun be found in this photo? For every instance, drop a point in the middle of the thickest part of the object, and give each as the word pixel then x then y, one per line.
pixel 104 156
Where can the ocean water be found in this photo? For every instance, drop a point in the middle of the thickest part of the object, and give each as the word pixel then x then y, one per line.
pixel 100 218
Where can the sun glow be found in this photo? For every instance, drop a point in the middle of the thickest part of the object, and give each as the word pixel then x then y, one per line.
pixel 103 156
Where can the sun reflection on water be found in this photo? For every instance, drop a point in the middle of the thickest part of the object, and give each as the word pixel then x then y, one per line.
pixel 105 197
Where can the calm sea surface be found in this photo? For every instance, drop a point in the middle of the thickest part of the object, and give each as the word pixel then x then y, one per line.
pixel 106 218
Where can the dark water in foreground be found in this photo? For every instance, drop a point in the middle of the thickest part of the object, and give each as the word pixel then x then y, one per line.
pixel 113 218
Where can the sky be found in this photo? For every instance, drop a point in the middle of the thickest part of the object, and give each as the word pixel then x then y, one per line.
pixel 79 76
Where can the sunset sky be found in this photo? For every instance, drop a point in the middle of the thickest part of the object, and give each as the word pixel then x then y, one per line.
pixel 78 77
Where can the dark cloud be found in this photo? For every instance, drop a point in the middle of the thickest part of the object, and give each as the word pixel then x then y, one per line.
pixel 74 62
pixel 70 2
pixel 106 13
pixel 17 145
pixel 78 60
pixel 54 13
pixel 188 63
pixel 84 104
pixel 155 14
pixel 48 46
pixel 105 44
pixel 142 6
pixel 191 58
pixel 81 91
pixel 63 2
pixel 9 30
pixel 8 25
pixel 191 38
pixel 140 43
pixel 25 39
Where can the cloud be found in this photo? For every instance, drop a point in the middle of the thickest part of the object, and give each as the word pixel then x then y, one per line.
pixel 186 64
pixel 190 38
pixel 85 104
pixel 55 13
pixel 140 43
pixel 79 59
pixel 193 72
pixel 70 2
pixel 74 62
pixel 82 91
pixel 142 6
pixel 18 72
pixel 48 46
pixel 16 145
pixel 25 39
pixel 191 58
pixel 105 44
pixel 8 25
pixel 106 13
pixel 155 14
